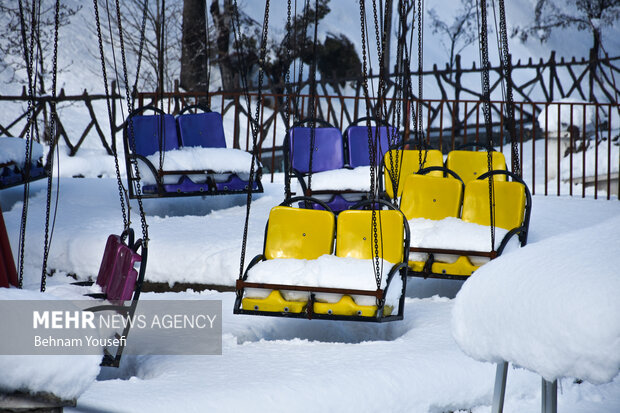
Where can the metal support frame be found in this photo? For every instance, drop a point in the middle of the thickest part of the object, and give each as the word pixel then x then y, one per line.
pixel 549 392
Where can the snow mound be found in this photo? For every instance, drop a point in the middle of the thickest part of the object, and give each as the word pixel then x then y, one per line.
pixel 326 271
pixel 563 106
pixel 14 149
pixel 356 179
pixel 453 233
pixel 197 158
pixel 551 307
pixel 66 377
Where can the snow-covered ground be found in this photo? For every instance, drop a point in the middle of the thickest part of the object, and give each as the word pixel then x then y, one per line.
pixel 271 364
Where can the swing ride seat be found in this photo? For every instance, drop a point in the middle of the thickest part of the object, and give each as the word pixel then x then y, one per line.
pixel 206 130
pixel 398 164
pixel 308 234
pixel 327 158
pixel 512 202
pixel 120 282
pixel 145 135
pixel 12 172
pixel 469 165
pixel 431 197
pixel 356 141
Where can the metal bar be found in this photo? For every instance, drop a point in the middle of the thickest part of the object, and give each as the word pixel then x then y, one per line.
pixel 549 396
pixel 499 390
pixel 596 126
pixel 490 254
pixel 583 172
pixel 559 141
pixel 571 143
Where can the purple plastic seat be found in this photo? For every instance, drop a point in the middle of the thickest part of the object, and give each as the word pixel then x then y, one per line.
pixel 109 259
pixel 147 130
pixel 328 151
pixel 357 143
pixel 117 275
pixel 201 129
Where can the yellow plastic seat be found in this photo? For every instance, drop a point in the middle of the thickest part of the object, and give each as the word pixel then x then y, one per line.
pixel 293 233
pixel 462 266
pixel 509 210
pixel 354 237
pixel 408 163
pixel 299 233
pixel 469 165
pixel 509 203
pixel 431 197
pixel 347 306
pixel 273 303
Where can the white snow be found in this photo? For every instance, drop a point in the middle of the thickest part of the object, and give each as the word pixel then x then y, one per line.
pixel 66 377
pixel 14 149
pixel 326 271
pixel 356 179
pixel 454 233
pixel 552 307
pixel 549 116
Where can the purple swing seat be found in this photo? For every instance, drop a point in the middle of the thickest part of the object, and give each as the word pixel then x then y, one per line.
pixel 147 132
pixel 357 143
pixel 206 130
pixel 328 152
pixel 117 275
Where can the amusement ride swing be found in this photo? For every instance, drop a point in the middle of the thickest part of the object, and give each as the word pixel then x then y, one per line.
pixel 350 244
pixel 473 195
pixel 151 139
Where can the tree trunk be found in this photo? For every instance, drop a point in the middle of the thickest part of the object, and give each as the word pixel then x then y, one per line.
pixel 223 24
pixel 194 68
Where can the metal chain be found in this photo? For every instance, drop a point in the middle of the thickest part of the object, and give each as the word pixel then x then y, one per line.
pixel 486 108
pixel 134 161
pixel 287 104
pixel 376 267
pixel 52 134
pixel 312 100
pixel 28 59
pixel 110 120
pixel 253 122
pixel 510 107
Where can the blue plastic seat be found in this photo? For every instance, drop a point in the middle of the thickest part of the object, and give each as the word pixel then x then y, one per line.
pixel 356 138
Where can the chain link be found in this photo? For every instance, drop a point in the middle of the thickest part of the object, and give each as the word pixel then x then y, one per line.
pixel 486 108
pixel 52 135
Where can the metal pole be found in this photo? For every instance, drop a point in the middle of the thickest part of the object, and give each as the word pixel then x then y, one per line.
pixel 549 396
pixel 500 387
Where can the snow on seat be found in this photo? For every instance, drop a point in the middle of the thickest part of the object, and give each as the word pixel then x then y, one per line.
pixel 398 164
pixel 327 155
pixel 551 307
pixel 145 137
pixel 470 165
pixel 458 247
pixel 299 276
pixel 13 162
pixel 228 169
pixel 426 199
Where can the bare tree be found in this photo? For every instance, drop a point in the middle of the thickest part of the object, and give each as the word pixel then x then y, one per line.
pixel 194 55
pixel 132 12
pixel 11 44
pixel 458 34
pixel 585 15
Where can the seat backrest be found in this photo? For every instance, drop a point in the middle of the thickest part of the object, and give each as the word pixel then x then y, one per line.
pixel 108 261
pixel 328 151
pixel 431 197
pixel 201 129
pixel 408 163
pixel 510 199
pixel 357 143
pixel 469 165
pixel 299 233
pixel 354 237
pixel 122 281
pixel 148 133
